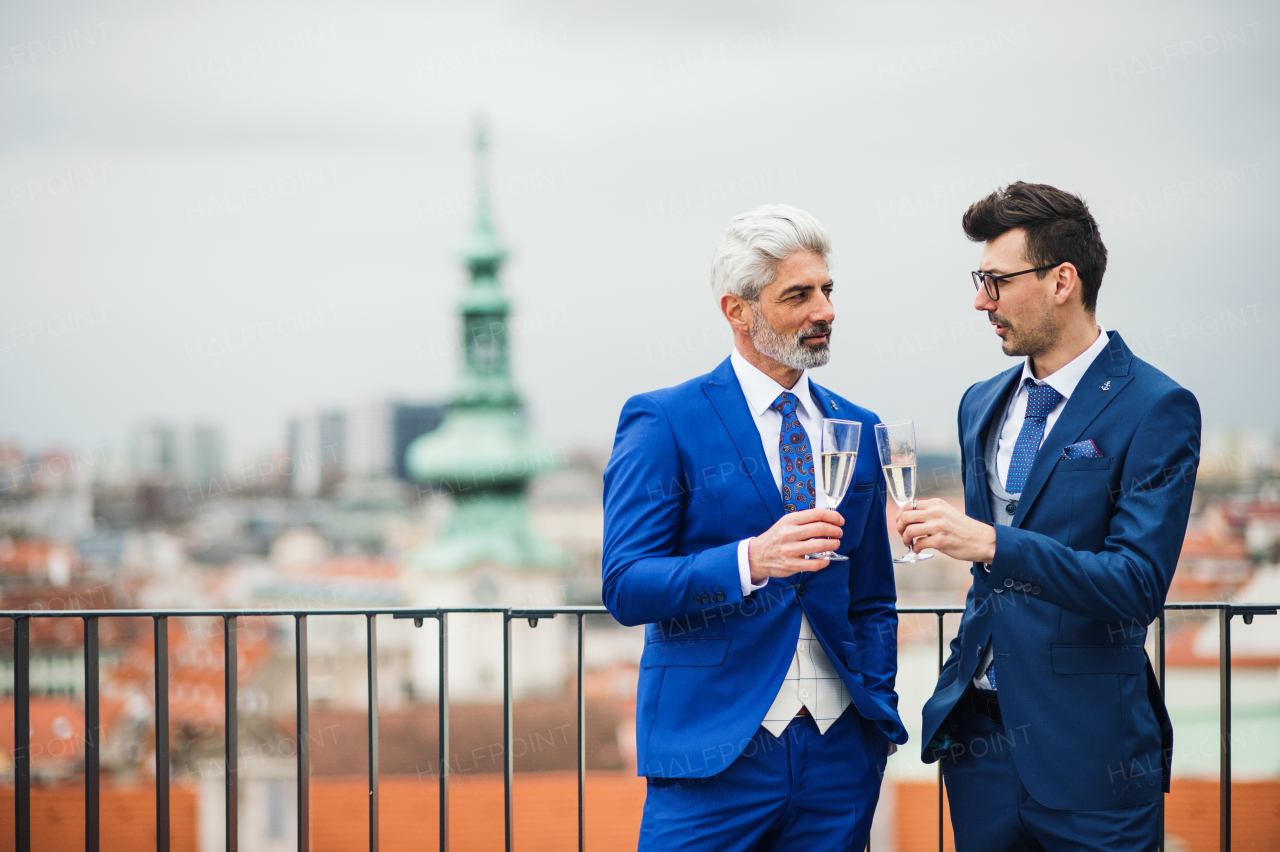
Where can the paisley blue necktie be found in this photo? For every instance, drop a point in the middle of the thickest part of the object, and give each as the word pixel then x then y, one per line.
pixel 1041 399
pixel 796 457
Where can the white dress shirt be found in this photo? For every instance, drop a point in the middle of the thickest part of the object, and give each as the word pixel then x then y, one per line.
pixel 1064 381
pixel 811 680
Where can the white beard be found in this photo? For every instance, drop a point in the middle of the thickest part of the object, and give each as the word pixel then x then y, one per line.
pixel 789 351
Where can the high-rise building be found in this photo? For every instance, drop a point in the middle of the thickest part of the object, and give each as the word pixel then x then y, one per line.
pixel 369 439
pixel 410 422
pixel 154 452
pixel 362 441
pixel 317 450
pixel 162 452
pixel 202 453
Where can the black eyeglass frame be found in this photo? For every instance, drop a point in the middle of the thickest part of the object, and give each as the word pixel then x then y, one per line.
pixel 992 282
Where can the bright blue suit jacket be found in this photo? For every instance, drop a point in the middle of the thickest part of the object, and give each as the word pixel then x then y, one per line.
pixel 1076 579
pixel 687 480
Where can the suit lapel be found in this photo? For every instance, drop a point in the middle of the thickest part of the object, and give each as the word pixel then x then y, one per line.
pixel 1106 377
pixel 725 395
pixel 989 405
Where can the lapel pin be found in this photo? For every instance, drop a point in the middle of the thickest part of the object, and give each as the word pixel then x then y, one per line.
pixel 836 407
pixel 1107 386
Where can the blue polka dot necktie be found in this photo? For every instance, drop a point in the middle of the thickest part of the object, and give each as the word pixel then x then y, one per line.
pixel 796 457
pixel 1041 399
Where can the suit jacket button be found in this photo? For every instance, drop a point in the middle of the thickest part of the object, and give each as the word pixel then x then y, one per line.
pixel 801 589
pixel 1035 590
pixel 1010 508
pixel 1008 582
pixel 719 596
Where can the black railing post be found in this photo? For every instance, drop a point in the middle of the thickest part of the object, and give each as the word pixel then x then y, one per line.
pixel 1161 627
pixel 508 761
pixel 304 733
pixel 92 732
pixel 1224 702
pixel 582 734
pixel 371 634
pixel 22 733
pixel 160 626
pixel 230 729
pixel 443 700
pixel 941 816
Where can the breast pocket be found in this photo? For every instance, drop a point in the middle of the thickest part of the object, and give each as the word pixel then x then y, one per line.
pixel 1075 465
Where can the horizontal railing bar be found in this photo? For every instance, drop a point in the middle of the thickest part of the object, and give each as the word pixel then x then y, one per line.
pixel 543 612
pixel 1253 609
pixel 535 613
pixel 396 612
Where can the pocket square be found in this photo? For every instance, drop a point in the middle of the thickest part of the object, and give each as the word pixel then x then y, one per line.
pixel 1085 449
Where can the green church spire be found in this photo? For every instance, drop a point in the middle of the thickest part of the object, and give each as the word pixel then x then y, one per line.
pixel 482 455
pixel 485 379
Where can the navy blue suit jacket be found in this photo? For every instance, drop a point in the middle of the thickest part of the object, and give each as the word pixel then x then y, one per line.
pixel 687 480
pixel 1076 580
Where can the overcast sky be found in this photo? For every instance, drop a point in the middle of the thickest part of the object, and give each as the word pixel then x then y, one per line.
pixel 229 211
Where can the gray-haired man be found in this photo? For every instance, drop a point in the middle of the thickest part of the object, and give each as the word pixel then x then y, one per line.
pixel 766 703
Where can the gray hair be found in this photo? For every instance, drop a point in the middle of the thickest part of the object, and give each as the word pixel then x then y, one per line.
pixel 746 261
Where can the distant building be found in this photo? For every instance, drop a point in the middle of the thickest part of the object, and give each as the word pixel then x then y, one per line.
pixel 362 441
pixel 482 458
pixel 410 422
pixel 317 449
pixel 154 452
pixel 161 452
pixel 202 453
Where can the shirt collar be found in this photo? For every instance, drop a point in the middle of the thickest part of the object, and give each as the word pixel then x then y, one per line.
pixel 762 391
pixel 1064 381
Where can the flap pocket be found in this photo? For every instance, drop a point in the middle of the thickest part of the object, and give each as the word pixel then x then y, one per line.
pixel 1099 659
pixel 852 658
pixel 1068 465
pixel 685 652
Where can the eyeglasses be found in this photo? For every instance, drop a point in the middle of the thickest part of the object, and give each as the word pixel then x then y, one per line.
pixel 992 282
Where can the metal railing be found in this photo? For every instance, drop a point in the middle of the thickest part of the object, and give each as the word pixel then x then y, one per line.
pixel 160 623
pixel 1226 612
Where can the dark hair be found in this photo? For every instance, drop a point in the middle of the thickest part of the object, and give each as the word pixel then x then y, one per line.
pixel 1059 227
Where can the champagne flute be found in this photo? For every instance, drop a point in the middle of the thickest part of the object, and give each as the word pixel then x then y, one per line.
pixel 837 459
pixel 897 445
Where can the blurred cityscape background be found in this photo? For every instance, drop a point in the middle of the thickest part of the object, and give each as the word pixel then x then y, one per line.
pixel 283 323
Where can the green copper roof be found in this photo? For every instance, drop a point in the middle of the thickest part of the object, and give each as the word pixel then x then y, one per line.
pixel 478 449
pixel 482 455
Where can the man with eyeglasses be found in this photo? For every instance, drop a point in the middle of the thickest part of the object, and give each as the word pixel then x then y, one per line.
pixel 1078 468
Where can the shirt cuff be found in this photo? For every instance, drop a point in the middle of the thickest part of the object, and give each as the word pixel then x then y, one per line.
pixel 744 568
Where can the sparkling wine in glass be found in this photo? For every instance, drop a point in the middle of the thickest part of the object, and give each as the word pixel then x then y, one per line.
pixel 838 457
pixel 897 445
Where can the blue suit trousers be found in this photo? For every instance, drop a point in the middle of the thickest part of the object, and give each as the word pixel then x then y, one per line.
pixel 803 791
pixel 991 810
